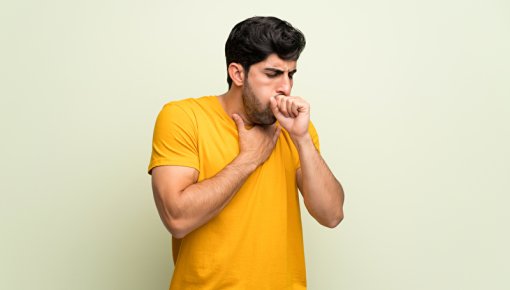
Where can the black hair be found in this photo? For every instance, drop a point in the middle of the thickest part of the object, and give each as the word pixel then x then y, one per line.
pixel 254 39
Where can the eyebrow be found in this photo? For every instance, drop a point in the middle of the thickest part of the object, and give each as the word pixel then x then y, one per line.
pixel 277 70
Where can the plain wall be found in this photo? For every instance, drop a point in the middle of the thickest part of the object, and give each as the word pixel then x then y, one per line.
pixel 411 100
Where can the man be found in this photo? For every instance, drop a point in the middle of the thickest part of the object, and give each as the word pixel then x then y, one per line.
pixel 225 174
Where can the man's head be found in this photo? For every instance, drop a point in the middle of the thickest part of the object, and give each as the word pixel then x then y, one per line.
pixel 254 39
pixel 264 50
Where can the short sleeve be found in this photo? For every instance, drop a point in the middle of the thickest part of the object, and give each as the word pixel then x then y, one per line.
pixel 175 138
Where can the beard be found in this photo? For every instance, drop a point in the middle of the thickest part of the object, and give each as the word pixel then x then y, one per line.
pixel 256 112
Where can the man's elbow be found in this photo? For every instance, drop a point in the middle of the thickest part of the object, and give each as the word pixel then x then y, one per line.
pixel 177 228
pixel 334 221
pixel 175 222
pixel 178 234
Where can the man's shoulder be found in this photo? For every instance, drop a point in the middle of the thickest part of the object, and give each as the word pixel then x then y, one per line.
pixel 190 103
pixel 187 110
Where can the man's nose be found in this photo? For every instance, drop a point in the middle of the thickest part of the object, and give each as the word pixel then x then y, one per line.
pixel 284 86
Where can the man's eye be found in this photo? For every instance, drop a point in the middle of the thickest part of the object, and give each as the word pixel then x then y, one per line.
pixel 272 75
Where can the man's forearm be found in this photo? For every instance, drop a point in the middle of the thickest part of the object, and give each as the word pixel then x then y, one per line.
pixel 202 201
pixel 322 193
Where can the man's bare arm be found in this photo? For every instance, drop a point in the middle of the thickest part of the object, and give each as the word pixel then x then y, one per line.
pixel 322 193
pixel 184 205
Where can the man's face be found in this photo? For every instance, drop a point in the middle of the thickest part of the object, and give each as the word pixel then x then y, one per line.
pixel 265 79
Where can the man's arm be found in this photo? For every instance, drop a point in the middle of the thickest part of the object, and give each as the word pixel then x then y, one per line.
pixel 322 193
pixel 184 205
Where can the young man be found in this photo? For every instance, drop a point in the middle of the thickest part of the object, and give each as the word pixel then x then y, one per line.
pixel 225 170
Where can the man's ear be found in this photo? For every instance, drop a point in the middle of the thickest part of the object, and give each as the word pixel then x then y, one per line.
pixel 236 73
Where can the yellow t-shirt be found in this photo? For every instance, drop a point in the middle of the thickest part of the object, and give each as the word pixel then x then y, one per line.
pixel 256 241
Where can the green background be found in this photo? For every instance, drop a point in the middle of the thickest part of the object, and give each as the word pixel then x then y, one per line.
pixel 411 100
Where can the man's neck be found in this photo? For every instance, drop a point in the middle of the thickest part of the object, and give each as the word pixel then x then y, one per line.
pixel 232 102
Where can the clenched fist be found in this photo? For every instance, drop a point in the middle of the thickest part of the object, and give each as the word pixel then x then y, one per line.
pixel 293 114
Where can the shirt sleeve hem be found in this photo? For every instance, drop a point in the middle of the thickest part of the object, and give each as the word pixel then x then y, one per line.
pixel 168 162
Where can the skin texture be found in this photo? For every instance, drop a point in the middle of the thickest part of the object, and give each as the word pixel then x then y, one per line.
pixel 257 98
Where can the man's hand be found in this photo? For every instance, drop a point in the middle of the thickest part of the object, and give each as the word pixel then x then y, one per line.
pixel 293 113
pixel 257 143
